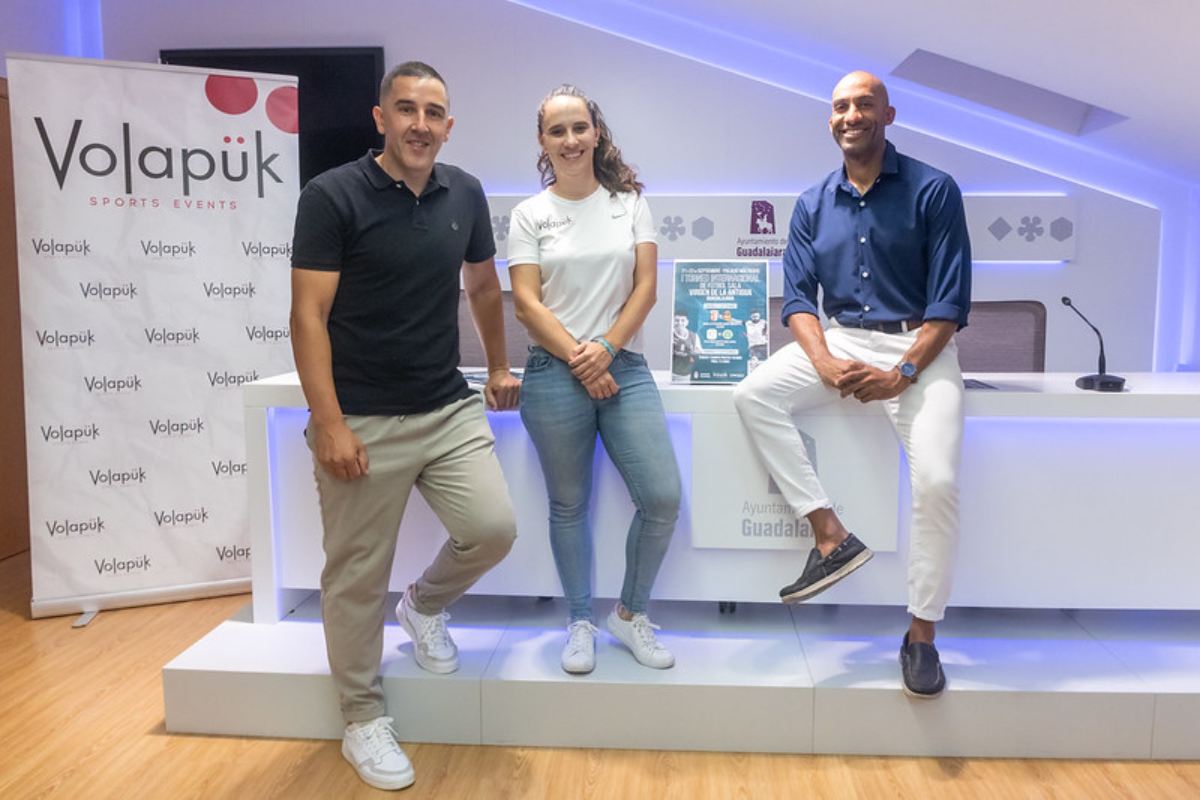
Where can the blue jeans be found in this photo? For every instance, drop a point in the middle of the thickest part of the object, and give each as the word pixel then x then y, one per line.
pixel 563 421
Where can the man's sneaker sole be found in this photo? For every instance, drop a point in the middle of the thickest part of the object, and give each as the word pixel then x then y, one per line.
pixel 800 595
pixel 401 781
pixel 436 667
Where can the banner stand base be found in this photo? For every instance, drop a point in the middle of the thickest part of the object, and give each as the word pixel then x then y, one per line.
pixel 84 619
pixel 83 604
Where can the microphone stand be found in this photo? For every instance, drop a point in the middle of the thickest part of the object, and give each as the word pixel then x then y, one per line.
pixel 1101 381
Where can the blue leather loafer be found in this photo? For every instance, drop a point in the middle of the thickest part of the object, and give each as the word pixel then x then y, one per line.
pixel 921 669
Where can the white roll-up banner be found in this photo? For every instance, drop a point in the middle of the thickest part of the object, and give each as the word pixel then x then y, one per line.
pixel 154 221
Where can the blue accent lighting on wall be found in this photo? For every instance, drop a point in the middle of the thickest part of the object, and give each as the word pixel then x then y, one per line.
pixel 83 29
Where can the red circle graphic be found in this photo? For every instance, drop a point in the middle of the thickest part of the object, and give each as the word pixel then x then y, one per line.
pixel 283 109
pixel 231 95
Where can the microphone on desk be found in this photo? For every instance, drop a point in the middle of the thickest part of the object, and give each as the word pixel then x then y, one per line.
pixel 1101 381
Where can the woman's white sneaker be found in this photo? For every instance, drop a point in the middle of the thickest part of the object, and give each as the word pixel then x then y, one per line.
pixel 372 750
pixel 579 654
pixel 638 635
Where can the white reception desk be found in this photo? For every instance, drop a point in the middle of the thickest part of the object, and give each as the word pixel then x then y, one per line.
pixel 1070 499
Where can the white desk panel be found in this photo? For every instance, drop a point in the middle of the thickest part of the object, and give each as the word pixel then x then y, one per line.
pixel 1061 488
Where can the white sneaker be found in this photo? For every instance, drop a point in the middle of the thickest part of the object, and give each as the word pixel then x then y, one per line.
pixel 638 635
pixel 371 749
pixel 579 654
pixel 433 648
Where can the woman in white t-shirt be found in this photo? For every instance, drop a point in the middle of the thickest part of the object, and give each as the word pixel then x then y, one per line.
pixel 584 261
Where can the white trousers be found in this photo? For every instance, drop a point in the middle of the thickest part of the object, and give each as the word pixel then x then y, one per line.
pixel 927 417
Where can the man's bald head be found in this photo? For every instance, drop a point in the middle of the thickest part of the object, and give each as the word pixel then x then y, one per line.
pixel 860 111
pixel 863 80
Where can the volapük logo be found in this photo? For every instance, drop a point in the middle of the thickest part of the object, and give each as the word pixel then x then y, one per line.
pixel 99 290
pixel 232 552
pixel 171 337
pixel 265 250
pixel 228 468
pixel 121 566
pixel 66 527
pixel 69 340
pixel 219 290
pixel 231 380
pixel 58 248
pixel 174 518
pixel 157 248
pixel 107 384
pixel 143 163
pixel 70 434
pixel 176 427
pixel 116 478
pixel 140 162
pixel 263 334
pixel 550 223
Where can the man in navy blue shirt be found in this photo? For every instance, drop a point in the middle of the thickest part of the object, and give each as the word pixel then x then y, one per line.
pixel 885 239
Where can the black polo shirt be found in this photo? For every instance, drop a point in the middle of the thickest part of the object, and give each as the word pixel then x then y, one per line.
pixel 393 326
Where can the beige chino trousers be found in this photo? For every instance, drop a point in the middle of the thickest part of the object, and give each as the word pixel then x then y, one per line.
pixel 448 455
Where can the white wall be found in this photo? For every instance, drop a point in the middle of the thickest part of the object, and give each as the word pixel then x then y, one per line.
pixel 30 26
pixel 690 127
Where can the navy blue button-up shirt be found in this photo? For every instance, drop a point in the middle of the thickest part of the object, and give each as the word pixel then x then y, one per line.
pixel 899 252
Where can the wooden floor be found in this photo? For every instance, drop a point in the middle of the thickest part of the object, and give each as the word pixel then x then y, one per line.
pixel 81 716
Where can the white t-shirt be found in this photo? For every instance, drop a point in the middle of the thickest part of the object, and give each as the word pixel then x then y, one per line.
pixel 756 332
pixel 585 251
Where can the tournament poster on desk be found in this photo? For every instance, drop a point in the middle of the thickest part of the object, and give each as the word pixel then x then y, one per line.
pixel 719 330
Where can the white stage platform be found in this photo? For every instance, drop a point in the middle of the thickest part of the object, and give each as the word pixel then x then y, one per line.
pixel 768 678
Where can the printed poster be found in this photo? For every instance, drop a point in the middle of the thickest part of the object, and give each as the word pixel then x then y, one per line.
pixel 719 331
pixel 154 221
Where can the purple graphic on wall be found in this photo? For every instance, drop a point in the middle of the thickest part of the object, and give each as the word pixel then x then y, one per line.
pixel 762 217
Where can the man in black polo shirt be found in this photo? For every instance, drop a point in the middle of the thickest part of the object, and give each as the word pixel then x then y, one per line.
pixel 377 253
